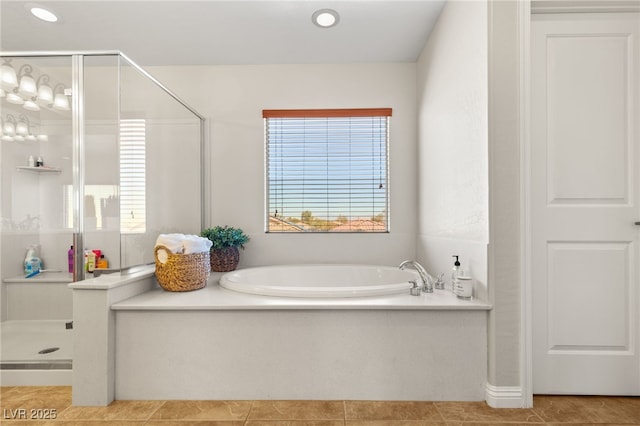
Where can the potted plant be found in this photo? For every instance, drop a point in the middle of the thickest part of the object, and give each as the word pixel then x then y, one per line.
pixel 224 251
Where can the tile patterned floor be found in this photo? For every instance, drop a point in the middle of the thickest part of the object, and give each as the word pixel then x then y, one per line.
pixel 39 401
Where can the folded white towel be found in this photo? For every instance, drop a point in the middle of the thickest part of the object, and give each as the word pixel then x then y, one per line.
pixel 196 244
pixel 181 243
pixel 171 241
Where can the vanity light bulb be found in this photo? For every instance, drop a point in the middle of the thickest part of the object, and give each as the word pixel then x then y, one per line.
pixel 61 102
pixel 45 95
pixel 27 86
pixel 9 129
pixel 8 77
pixel 21 128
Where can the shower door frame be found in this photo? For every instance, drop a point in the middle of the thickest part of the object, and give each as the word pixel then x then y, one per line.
pixel 78 133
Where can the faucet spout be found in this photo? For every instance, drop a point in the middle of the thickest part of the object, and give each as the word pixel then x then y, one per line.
pixel 427 280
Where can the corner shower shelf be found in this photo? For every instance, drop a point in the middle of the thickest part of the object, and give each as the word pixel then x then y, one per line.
pixel 39 169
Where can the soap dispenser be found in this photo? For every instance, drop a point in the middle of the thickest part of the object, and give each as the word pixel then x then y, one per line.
pixel 457 271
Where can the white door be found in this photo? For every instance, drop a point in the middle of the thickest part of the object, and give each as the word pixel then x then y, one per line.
pixel 585 197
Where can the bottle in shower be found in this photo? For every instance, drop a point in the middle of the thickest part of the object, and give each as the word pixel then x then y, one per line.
pixel 70 256
pixel 32 263
pixel 91 261
pixel 102 263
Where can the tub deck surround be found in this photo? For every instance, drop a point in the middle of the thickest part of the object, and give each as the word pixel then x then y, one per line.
pixel 133 340
pixel 94 331
pixel 215 297
pixel 111 281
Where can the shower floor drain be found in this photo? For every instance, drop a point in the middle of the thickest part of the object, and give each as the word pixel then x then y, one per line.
pixel 48 350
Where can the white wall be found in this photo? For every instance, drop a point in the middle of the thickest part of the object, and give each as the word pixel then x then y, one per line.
pixel 233 97
pixel 452 142
pixel 505 141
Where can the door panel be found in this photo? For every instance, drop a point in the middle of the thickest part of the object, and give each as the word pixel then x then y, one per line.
pixel 578 271
pixel 588 132
pixel 584 203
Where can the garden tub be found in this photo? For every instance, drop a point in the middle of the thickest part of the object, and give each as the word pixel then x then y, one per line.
pixel 322 280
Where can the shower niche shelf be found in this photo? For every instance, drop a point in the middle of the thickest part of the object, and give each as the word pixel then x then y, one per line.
pixel 39 169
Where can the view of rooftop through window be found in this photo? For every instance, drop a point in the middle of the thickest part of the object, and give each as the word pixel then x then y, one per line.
pixel 327 170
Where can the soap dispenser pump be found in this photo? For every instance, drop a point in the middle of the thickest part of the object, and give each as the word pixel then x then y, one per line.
pixel 457 271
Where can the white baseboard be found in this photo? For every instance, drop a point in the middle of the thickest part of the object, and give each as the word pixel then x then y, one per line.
pixel 504 396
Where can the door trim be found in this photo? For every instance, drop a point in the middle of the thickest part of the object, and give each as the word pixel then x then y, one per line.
pixel 496 396
pixel 524 121
pixel 582 6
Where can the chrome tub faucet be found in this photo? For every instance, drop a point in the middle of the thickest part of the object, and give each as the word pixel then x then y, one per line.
pixel 427 280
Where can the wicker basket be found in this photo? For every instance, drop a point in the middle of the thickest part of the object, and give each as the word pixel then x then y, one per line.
pixel 182 272
pixel 225 259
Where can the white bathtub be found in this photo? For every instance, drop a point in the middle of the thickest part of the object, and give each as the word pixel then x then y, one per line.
pixel 324 280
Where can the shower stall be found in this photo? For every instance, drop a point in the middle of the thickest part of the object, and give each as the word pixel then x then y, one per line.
pixel 97 158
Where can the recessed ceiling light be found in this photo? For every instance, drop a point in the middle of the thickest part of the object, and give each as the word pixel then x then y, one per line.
pixel 43 14
pixel 325 18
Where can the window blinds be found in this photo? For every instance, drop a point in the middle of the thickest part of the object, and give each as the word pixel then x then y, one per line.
pixel 132 175
pixel 327 170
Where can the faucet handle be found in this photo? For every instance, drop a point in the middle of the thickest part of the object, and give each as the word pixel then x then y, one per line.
pixel 414 290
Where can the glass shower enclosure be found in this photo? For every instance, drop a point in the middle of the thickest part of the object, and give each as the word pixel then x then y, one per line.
pixel 97 158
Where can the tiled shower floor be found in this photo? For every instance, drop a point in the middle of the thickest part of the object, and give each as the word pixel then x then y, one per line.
pixel 557 410
pixel 22 342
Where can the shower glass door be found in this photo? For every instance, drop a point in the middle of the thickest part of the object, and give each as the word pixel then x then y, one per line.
pixel 96 157
pixel 36 178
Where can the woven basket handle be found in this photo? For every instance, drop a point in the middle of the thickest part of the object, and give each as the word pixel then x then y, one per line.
pixel 161 247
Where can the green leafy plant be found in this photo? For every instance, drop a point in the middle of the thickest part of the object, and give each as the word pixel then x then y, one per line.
pixel 225 236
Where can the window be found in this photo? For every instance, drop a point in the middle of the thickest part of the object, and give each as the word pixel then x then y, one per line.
pixel 327 170
pixel 132 176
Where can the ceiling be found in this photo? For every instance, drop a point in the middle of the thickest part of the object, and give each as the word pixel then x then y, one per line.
pixel 214 32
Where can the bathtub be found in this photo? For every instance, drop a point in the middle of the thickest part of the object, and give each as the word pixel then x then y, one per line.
pixel 322 280
pixel 242 346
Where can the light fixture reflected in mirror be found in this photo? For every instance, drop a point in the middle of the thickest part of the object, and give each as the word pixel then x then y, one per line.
pixel 31 105
pixel 22 88
pixel 29 136
pixel 9 125
pixel 27 86
pixel 8 76
pixel 14 98
pixel 20 130
pixel 60 101
pixel 45 92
